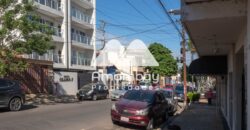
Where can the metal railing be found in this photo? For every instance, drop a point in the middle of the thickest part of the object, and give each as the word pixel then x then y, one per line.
pixel 58 58
pixel 80 61
pixel 80 15
pixel 80 38
pixel 90 1
pixel 35 56
pixel 54 4
pixel 56 31
pixel 48 57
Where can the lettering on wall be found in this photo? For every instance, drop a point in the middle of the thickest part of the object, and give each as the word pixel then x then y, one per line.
pixel 66 78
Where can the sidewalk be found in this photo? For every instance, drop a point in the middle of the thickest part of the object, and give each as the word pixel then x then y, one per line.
pixel 47 99
pixel 199 116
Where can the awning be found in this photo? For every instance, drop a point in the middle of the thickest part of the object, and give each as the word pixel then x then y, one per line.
pixel 209 65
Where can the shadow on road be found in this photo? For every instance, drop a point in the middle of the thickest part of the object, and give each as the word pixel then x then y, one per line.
pixel 127 126
pixel 24 108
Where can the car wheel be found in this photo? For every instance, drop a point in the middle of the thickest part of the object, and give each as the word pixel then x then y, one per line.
pixel 150 125
pixel 94 97
pixel 115 122
pixel 15 104
pixel 80 98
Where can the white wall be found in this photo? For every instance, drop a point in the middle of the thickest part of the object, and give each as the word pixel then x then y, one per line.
pixel 66 87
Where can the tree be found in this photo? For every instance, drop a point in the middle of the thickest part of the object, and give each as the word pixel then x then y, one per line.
pixel 20 33
pixel 189 77
pixel 167 63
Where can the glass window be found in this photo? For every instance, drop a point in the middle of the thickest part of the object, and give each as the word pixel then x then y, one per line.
pixel 4 84
pixel 42 2
pixel 139 95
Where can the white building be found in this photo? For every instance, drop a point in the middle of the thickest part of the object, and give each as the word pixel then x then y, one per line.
pixel 220 31
pixel 73 22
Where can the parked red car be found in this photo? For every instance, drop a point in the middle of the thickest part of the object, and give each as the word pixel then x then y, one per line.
pixel 140 107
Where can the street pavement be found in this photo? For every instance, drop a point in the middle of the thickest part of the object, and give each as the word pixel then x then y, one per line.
pixel 86 115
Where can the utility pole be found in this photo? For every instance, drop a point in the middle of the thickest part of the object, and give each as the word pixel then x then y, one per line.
pixel 184 64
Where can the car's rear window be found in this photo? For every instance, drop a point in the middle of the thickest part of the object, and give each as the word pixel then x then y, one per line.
pixel 139 95
pixel 168 94
pixel 179 88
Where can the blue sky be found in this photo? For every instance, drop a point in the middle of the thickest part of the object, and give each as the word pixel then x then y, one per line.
pixel 150 24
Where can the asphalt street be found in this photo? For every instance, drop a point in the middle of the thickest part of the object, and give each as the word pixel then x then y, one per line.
pixel 86 115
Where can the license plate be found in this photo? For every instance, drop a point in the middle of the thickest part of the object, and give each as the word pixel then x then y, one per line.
pixel 124 119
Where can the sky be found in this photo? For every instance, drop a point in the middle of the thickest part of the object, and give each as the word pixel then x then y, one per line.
pixel 146 20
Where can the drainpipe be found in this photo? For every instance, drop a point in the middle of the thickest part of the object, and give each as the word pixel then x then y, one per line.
pixel 66 32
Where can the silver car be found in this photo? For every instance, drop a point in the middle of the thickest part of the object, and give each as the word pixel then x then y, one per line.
pixel 118 93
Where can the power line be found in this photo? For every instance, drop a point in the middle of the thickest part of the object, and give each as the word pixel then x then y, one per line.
pixel 128 28
pixel 169 17
pixel 147 4
pixel 138 11
pixel 111 24
pixel 137 32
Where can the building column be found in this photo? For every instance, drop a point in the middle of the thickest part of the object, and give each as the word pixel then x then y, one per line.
pixel 247 65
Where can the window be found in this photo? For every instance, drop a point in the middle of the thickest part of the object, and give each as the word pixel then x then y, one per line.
pixel 50 3
pixel 42 2
pixel 79 14
pixel 137 95
pixel 4 84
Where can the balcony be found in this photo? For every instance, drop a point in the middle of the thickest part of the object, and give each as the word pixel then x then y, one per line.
pixel 81 41
pixel 35 56
pixel 46 57
pixel 82 21
pixel 58 59
pixel 80 61
pixel 57 34
pixel 87 4
pixel 49 7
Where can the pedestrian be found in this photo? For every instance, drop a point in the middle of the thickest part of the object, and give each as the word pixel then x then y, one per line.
pixel 209 96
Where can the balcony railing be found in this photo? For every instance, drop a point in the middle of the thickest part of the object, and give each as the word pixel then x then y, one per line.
pixel 35 56
pixel 80 15
pixel 80 38
pixel 90 1
pixel 80 61
pixel 56 31
pixel 58 58
pixel 50 3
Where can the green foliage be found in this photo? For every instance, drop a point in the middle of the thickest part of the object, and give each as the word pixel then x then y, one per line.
pixel 190 96
pixel 167 63
pixel 189 77
pixel 20 33
pixel 193 96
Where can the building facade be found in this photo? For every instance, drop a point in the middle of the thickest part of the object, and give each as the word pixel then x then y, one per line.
pixel 73 56
pixel 220 31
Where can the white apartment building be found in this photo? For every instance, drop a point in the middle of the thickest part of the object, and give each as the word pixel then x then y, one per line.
pixel 73 22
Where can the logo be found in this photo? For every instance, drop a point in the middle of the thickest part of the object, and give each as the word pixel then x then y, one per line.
pixel 136 54
pixel 126 60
